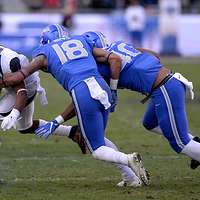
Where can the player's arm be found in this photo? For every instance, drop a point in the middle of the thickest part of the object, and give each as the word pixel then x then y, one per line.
pixel 21 96
pixel 20 103
pixel 148 51
pixel 11 79
pixel 47 129
pixel 69 112
pixel 66 115
pixel 113 60
pixel 115 64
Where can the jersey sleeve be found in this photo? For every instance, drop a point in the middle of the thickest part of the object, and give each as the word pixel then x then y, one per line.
pixel 10 61
pixel 89 42
pixel 39 51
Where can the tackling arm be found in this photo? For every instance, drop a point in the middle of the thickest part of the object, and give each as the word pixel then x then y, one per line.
pixel 67 114
pixel 115 64
pixel 113 60
pixel 11 79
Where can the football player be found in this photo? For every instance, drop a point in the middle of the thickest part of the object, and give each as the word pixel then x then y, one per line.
pixel 17 102
pixel 142 72
pixel 71 61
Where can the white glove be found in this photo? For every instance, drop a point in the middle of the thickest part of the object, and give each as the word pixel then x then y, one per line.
pixel 9 121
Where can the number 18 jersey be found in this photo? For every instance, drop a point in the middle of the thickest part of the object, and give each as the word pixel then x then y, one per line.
pixel 70 60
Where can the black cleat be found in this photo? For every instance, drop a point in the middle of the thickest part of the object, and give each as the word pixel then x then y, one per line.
pixel 76 136
pixel 194 163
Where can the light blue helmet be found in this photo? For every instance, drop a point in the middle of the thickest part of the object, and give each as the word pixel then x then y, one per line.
pixel 98 39
pixel 53 32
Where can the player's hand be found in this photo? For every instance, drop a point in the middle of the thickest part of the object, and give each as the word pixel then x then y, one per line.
pixel 9 121
pixel 114 100
pixel 46 130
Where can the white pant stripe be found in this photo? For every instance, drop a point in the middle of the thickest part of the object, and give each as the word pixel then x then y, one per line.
pixel 80 121
pixel 171 117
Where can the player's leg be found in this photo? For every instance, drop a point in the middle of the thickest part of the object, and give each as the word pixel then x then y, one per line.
pixel 170 110
pixel 89 113
pixel 129 178
pixel 150 121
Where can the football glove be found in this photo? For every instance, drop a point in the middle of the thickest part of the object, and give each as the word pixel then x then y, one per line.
pixel 10 120
pixel 46 130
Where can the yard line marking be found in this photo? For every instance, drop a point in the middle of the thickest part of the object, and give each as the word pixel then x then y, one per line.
pixel 147 157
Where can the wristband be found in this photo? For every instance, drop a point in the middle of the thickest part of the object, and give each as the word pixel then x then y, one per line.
pixel 113 84
pixel 21 90
pixel 22 73
pixel 59 119
pixel 109 55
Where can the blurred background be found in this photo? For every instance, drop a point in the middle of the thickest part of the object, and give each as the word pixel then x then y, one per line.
pixel 170 27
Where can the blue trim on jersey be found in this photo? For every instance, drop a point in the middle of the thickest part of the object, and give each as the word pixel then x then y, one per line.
pixel 172 118
pixel 80 121
pixel 91 114
pixel 167 110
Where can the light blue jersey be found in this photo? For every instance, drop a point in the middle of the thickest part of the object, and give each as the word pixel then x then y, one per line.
pixel 70 60
pixel 166 108
pixel 139 70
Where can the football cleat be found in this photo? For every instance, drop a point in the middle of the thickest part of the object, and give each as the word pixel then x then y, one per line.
pixel 135 163
pixel 135 183
pixel 76 136
pixel 194 163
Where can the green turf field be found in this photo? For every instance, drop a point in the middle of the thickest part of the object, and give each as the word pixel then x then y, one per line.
pixel 35 169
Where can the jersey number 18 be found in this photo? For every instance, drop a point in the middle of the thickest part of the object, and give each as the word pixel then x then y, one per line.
pixel 70 50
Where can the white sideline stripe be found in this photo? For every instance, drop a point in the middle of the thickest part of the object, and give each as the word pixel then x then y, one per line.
pixel 75 160
pixel 68 179
pixel 80 121
pixel 171 117
pixel 40 158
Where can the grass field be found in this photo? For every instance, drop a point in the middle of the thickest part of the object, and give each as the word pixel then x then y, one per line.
pixel 35 169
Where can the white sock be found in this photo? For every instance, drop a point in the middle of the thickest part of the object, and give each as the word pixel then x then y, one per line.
pixel 110 155
pixel 157 130
pixel 126 172
pixel 190 136
pixel 192 149
pixel 61 130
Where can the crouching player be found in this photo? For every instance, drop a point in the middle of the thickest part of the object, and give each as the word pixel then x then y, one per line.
pixel 17 102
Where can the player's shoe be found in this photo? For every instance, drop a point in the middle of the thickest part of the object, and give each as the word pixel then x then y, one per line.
pixel 135 183
pixel 135 163
pixel 194 163
pixel 76 136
